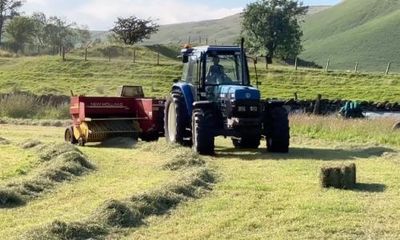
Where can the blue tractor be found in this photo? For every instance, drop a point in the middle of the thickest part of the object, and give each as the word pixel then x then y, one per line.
pixel 215 98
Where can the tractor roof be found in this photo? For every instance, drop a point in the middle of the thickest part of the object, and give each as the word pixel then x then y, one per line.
pixel 212 48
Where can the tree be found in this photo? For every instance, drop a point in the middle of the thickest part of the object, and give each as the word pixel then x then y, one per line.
pixel 39 24
pixel 8 10
pixel 59 34
pixel 132 30
pixel 272 27
pixel 20 31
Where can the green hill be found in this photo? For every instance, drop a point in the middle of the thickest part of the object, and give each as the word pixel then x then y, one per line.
pixel 364 31
pixel 220 31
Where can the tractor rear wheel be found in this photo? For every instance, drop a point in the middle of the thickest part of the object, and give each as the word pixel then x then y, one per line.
pixel 176 120
pixel 249 142
pixel 69 136
pixel 277 130
pixel 202 132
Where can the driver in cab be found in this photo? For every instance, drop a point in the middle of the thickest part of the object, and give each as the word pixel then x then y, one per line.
pixel 216 73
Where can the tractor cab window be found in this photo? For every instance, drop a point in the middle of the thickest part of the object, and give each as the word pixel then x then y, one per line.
pixel 224 69
pixel 190 71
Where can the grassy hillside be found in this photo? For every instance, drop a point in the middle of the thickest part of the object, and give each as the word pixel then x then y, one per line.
pixel 364 31
pixel 220 31
pixel 98 76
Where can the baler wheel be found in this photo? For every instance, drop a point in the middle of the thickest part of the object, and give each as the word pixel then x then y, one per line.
pixel 69 136
pixel 202 132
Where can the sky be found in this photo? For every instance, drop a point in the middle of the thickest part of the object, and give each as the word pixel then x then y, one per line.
pixel 101 14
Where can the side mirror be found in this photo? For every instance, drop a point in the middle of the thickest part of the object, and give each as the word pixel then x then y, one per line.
pixel 259 83
pixel 176 80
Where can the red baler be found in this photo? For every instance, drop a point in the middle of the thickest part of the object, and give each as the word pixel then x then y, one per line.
pixel 96 119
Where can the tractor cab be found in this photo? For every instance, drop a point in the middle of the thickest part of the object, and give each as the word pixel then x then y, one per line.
pixel 215 71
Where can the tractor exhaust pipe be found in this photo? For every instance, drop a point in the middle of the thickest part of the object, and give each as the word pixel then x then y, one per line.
pixel 243 56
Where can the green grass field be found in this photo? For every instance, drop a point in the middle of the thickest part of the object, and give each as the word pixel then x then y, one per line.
pixel 257 195
pixel 50 75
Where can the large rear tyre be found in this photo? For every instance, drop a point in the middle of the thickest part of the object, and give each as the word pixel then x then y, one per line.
pixel 69 136
pixel 247 142
pixel 277 130
pixel 202 132
pixel 176 121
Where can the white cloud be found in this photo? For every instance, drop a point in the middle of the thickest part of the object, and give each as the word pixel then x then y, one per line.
pixel 101 14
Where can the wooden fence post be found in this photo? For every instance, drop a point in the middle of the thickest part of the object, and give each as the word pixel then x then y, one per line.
pixel 327 65
pixel 63 53
pixel 86 54
pixel 158 56
pixel 134 55
pixel 317 106
pixel 356 68
pixel 388 68
pixel 295 64
pixel 109 54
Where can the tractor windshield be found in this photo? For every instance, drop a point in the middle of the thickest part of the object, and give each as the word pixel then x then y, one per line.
pixel 224 69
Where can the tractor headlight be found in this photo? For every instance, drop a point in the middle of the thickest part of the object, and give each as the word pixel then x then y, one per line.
pixel 254 109
pixel 233 95
pixel 242 109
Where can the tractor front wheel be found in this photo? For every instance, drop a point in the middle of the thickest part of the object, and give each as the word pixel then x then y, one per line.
pixel 202 132
pixel 174 120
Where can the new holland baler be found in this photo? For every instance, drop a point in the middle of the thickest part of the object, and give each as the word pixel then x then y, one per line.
pixel 96 119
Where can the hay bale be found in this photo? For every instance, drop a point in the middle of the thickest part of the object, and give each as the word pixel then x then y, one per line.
pixel 335 177
pixel 9 198
pixel 325 174
pixel 340 177
pixel 4 141
pixel 31 143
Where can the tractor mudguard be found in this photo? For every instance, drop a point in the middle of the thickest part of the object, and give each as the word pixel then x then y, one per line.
pixel 186 90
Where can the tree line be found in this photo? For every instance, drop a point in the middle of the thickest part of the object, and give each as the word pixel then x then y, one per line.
pixel 272 29
pixel 37 33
